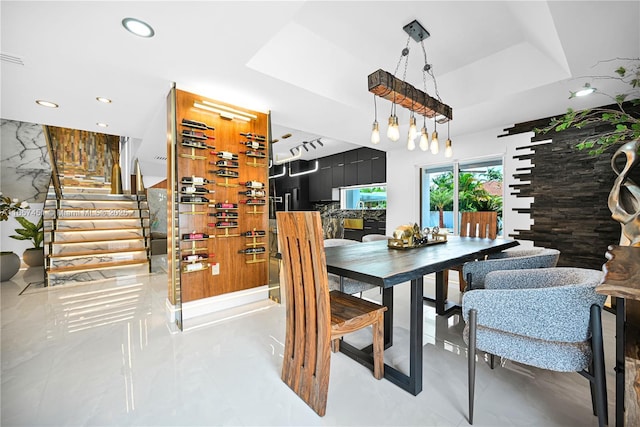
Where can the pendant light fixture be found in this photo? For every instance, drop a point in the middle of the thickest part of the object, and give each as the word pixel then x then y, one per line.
pixel 393 133
pixel 435 147
pixel 448 151
pixel 399 92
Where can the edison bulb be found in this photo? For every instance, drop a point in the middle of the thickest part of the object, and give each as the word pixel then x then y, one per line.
pixel 413 130
pixel 424 140
pixel 375 133
pixel 434 143
pixel 448 151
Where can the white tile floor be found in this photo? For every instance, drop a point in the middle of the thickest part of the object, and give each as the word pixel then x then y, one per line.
pixel 104 354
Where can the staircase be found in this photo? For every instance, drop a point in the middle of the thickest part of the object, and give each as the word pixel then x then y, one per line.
pixel 93 235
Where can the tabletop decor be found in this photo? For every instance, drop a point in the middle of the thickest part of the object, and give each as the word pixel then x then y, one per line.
pixel 410 236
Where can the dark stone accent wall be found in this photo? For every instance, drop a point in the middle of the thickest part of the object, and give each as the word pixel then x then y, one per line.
pixel 570 191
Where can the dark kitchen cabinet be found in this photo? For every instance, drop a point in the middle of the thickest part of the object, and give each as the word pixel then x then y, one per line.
pixel 379 168
pixel 364 172
pixel 337 170
pixel 355 167
pixel 351 167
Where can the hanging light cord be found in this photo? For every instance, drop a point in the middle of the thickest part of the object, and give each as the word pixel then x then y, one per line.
pixel 375 108
pixel 404 54
pixel 429 70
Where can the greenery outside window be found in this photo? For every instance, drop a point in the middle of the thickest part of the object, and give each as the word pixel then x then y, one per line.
pixel 478 187
pixel 363 197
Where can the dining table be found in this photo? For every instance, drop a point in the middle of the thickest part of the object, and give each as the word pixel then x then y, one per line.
pixel 378 264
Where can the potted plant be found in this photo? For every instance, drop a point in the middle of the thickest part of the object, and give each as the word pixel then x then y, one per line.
pixel 9 261
pixel 33 257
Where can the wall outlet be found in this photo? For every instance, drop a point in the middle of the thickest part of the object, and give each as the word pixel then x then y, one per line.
pixel 215 269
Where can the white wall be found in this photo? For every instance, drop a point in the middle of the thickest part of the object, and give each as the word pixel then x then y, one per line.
pixel 403 175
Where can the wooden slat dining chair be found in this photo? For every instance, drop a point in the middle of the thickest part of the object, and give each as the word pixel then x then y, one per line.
pixel 315 317
pixel 482 224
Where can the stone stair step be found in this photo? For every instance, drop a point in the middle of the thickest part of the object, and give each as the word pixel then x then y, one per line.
pixel 109 245
pixel 80 213
pixel 84 235
pixel 92 267
pixel 88 224
pixel 96 259
pixel 121 271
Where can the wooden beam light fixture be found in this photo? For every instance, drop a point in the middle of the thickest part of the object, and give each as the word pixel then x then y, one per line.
pixel 386 85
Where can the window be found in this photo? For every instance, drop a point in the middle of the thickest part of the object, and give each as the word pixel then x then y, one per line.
pixel 363 197
pixel 461 187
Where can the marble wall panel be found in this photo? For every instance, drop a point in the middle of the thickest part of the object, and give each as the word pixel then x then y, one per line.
pixel 25 169
pixel 157 198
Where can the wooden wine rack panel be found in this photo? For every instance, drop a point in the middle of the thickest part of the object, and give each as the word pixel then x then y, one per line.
pixel 224 243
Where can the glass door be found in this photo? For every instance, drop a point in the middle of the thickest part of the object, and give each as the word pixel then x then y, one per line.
pixel 447 191
pixel 437 204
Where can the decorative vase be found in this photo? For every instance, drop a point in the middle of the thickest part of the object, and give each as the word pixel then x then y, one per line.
pixel 10 264
pixel 33 257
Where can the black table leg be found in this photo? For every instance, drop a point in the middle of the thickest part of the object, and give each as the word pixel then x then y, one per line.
pixel 411 383
pixel 442 305
pixel 387 301
pixel 620 332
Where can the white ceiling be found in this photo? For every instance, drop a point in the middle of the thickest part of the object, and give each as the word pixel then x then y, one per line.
pixel 496 63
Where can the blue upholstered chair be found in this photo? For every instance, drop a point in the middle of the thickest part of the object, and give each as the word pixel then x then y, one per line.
pixel 344 284
pixel 508 260
pixel 547 317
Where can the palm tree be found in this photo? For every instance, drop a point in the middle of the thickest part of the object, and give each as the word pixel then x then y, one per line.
pixel 440 198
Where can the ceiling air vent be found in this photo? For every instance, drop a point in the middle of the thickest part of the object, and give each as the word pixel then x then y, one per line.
pixel 6 57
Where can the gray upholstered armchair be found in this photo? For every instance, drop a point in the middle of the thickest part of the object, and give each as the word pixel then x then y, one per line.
pixel 344 284
pixel 508 260
pixel 548 318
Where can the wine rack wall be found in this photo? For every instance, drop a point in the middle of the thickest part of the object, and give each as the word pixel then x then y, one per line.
pixel 217 192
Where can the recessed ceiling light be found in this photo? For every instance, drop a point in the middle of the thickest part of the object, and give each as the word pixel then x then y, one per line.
pixel 102 125
pixel 46 103
pixel 102 99
pixel 138 27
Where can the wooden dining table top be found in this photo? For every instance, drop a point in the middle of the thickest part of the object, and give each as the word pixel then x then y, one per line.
pixel 376 263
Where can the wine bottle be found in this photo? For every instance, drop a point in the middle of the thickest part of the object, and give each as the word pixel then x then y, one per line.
pixel 197 125
pixel 231 215
pixel 226 224
pixel 193 199
pixel 253 136
pixel 257 250
pixel 194 257
pixel 253 193
pixel 225 155
pixel 195 180
pixel 254 233
pixel 194 267
pixel 194 143
pixel 253 144
pixel 195 236
pixel 226 205
pixel 253 184
pixel 226 163
pixel 227 173
pixel 253 153
pixel 196 134
pixel 196 189
pixel 254 201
